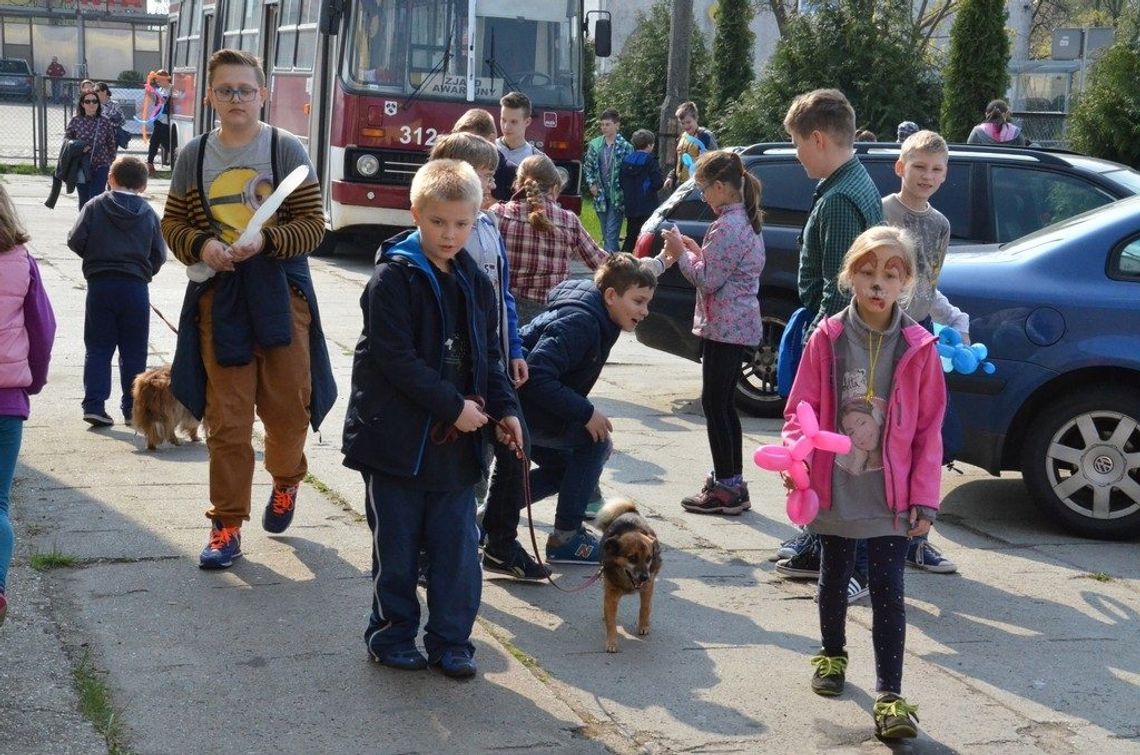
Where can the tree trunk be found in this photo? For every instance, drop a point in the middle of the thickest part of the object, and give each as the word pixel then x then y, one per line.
pixel 677 81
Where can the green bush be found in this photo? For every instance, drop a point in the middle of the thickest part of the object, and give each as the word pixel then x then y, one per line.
pixel 732 52
pixel 130 78
pixel 636 84
pixel 1106 120
pixel 977 68
pixel 871 56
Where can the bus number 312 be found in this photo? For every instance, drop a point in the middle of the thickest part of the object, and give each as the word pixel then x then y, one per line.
pixel 409 135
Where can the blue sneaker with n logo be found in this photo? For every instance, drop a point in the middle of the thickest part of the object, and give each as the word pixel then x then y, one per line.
pixel 582 548
pixel 222 549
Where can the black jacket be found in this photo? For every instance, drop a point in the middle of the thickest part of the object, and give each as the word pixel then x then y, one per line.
pixel 640 179
pixel 398 392
pixel 505 173
pixel 72 160
pixel 566 347
pixel 117 232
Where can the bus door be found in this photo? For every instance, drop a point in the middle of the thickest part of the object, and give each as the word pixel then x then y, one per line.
pixel 204 120
pixel 270 16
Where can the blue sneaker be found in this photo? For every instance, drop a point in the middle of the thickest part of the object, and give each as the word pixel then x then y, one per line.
pixel 457 663
pixel 583 548
pixel 593 507
pixel 922 555
pixel 403 657
pixel 795 546
pixel 223 548
pixel 279 510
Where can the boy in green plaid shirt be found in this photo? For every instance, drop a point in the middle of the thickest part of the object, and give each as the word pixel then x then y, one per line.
pixel 821 124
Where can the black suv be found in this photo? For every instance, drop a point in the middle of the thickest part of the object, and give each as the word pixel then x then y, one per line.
pixel 991 194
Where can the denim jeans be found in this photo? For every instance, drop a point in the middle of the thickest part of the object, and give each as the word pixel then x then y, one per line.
pixel 117 317
pixel 95 185
pixel 11 431
pixel 611 220
pixel 405 521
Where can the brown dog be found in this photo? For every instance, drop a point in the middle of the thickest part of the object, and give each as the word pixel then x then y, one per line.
pixel 631 558
pixel 157 414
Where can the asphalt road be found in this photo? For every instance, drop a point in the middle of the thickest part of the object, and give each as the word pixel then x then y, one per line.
pixel 1030 648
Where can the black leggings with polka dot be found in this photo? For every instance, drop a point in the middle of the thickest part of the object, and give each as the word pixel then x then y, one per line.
pixel 887 557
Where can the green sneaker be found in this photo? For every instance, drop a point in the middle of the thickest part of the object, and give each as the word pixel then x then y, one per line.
pixel 593 507
pixel 895 718
pixel 830 674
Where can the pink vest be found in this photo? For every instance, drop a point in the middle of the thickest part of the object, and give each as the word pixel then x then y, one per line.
pixel 15 277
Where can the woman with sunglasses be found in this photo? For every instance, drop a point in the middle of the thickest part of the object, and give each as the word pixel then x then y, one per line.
pixel 98 133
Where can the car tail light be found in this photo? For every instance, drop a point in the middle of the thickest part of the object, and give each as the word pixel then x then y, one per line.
pixel 644 245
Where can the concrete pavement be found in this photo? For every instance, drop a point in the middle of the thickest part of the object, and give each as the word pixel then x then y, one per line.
pixel 1023 651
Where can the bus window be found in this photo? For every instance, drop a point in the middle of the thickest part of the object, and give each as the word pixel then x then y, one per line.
pixel 400 46
pixel 241 28
pixel 187 45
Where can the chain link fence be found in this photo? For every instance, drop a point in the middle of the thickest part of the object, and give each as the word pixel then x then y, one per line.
pixel 34 117
pixel 1044 129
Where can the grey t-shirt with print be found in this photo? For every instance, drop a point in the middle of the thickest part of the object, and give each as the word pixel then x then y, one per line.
pixel 858 491
pixel 238 179
pixel 931 231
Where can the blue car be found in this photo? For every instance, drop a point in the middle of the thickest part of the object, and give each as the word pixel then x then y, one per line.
pixel 1059 311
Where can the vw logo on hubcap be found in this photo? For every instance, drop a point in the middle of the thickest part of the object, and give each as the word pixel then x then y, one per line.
pixel 1103 464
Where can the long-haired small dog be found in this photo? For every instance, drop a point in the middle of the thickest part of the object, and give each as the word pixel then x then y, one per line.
pixel 157 414
pixel 631 559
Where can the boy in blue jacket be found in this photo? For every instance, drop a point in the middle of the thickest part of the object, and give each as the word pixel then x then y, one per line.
pixel 566 347
pixel 426 364
pixel 640 181
pixel 118 237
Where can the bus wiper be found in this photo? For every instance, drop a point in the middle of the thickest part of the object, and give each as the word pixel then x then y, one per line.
pixel 439 67
pixel 496 69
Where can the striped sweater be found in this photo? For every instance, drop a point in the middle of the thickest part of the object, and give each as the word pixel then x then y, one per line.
pixel 297 230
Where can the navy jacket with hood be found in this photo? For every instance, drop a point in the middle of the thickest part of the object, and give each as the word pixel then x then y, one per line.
pixel 640 181
pixel 566 347
pixel 118 233
pixel 398 392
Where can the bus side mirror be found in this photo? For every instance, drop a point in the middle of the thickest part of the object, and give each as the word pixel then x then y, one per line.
pixel 603 35
pixel 331 14
pixel 602 38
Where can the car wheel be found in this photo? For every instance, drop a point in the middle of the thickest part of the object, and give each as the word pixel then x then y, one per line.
pixel 1082 461
pixel 756 389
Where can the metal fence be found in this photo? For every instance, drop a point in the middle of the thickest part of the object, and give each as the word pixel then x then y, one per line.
pixel 32 124
pixel 1044 129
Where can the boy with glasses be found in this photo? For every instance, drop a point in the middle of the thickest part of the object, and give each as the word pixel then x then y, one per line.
pixel 250 335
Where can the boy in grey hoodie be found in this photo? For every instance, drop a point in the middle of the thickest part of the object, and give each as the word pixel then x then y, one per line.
pixel 118 237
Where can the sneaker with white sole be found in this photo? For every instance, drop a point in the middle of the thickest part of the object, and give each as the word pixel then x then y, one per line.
pixel 857 588
pixel 922 555
pixel 593 507
pixel 792 548
pixel 98 418
pixel 514 562
pixel 804 565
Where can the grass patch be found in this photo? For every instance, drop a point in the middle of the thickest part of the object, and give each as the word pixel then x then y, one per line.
pixel 590 220
pixel 1099 576
pixel 334 496
pixel 96 706
pixel 25 169
pixel 52 560
pixel 516 651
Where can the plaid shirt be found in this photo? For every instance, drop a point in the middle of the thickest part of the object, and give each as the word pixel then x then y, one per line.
pixel 845 204
pixel 539 260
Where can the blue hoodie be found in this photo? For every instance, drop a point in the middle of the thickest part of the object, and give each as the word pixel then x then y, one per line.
pixel 640 181
pixel 398 392
pixel 566 347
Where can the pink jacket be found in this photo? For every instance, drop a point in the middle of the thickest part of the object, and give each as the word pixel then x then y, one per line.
pixel 27 329
pixel 912 443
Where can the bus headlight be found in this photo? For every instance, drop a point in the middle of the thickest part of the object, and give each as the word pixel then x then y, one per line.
pixel 367 165
pixel 563 174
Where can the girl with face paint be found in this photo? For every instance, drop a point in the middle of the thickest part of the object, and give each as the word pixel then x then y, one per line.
pixel 873 373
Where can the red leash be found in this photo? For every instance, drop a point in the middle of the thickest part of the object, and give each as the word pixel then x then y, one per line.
pixel 441 433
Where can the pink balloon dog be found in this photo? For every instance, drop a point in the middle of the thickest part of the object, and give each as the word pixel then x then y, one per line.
pixel 803 503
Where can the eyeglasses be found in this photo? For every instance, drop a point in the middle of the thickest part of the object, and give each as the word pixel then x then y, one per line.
pixel 90 102
pixel 229 94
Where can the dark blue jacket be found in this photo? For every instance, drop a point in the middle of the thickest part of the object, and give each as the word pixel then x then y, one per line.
pixel 188 373
pixel 640 181
pixel 117 232
pixel 566 347
pixel 397 392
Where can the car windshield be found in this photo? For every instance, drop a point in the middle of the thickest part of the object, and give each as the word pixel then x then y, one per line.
pixel 1126 177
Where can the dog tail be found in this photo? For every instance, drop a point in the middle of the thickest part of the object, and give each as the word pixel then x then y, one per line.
pixel 611 511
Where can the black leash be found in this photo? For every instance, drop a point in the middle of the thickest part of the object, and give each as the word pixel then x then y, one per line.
pixel 163 318
pixel 442 433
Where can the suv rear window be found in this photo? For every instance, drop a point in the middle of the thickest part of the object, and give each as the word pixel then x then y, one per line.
pixel 14 66
pixel 952 200
pixel 785 192
pixel 1026 199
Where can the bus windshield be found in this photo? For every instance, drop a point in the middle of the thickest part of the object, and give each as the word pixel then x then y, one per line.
pixel 421 47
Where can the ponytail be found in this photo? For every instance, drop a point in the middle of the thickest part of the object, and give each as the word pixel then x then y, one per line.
pixel 727 167
pixel 536 201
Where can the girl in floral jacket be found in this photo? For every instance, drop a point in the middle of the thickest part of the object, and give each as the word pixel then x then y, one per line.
pixel 726 273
